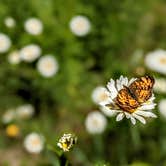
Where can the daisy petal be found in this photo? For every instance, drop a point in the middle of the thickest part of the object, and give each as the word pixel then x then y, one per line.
pixel 147 106
pixel 111 87
pixel 133 121
pixel 119 83
pixel 120 117
pixel 140 118
pixel 131 80
pixel 146 114
pixel 127 115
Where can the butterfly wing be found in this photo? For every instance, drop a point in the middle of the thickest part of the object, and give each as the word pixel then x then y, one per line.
pixel 126 101
pixel 142 88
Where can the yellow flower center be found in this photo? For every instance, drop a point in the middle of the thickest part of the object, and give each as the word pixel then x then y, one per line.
pixel 163 60
pixel 35 142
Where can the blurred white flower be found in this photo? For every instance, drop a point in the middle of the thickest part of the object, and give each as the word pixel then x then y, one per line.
pixel 80 25
pixel 67 141
pixel 34 143
pixel 47 66
pixel 14 57
pixel 100 95
pixel 8 116
pixel 95 122
pixel 106 111
pixel 156 61
pixel 160 85
pixel 137 111
pixel 9 22
pixel 30 52
pixel 162 107
pixel 25 111
pixel 5 43
pixel 33 26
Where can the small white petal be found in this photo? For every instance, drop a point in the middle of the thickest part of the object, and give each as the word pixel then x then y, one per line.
pixel 152 98
pixel 131 80
pixel 111 87
pixel 127 115
pixel 133 121
pixel 146 114
pixel 147 106
pixel 126 81
pixel 108 112
pixel 120 117
pixel 140 118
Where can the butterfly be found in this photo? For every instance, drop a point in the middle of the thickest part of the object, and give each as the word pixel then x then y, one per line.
pixel 131 97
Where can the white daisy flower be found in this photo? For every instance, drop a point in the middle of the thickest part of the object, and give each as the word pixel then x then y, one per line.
pixel 156 61
pixel 100 95
pixel 162 107
pixel 47 66
pixel 67 141
pixel 8 116
pixel 25 111
pixel 160 85
pixel 14 57
pixel 80 25
pixel 140 113
pixel 5 43
pixel 9 22
pixel 33 26
pixel 34 143
pixel 30 52
pixel 95 122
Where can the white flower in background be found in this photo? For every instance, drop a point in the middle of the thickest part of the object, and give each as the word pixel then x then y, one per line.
pixel 5 43
pixel 156 61
pixel 67 141
pixel 162 107
pixel 30 52
pixel 25 111
pixel 106 111
pixel 95 122
pixel 160 85
pixel 100 95
pixel 9 22
pixel 47 66
pixel 80 25
pixel 33 26
pixel 34 143
pixel 14 57
pixel 132 112
pixel 8 116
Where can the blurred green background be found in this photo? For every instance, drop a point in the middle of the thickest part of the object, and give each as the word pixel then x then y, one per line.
pixel 122 32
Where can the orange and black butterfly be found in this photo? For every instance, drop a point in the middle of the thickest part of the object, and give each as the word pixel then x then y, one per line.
pixel 131 97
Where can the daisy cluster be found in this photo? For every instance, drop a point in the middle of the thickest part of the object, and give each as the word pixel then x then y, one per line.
pixel 47 65
pixel 23 112
pixel 96 122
